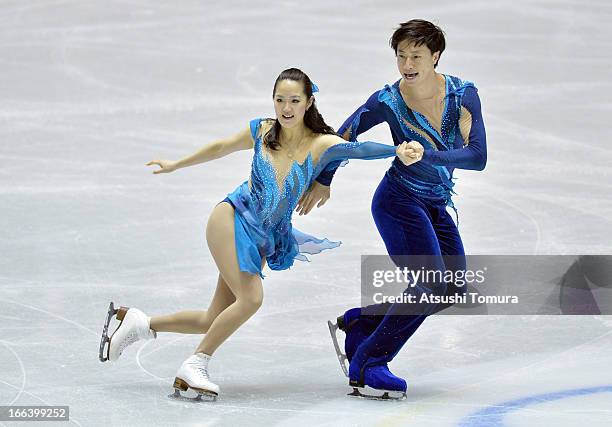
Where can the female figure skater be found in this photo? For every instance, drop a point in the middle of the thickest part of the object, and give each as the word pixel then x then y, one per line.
pixel 252 226
pixel 441 117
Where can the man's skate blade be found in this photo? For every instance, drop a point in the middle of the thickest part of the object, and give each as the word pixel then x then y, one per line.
pixel 200 396
pixel 333 328
pixel 103 355
pixel 374 394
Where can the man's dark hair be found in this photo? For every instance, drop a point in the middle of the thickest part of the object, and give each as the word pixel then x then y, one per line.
pixel 419 32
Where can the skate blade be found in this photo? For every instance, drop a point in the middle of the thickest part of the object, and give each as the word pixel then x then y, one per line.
pixel 105 340
pixel 377 394
pixel 333 331
pixel 200 397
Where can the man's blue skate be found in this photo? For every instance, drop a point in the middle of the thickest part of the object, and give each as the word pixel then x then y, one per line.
pixel 376 382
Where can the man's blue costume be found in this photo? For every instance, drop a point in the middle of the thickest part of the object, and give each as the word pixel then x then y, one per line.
pixel 409 209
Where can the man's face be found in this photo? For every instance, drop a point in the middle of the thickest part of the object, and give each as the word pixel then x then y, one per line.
pixel 415 63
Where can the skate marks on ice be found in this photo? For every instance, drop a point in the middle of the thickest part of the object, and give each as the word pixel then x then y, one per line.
pixel 129 44
pixel 48 313
pixel 21 390
pixel 22 396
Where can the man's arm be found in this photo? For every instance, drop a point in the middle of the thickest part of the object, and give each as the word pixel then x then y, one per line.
pixel 473 155
pixel 364 118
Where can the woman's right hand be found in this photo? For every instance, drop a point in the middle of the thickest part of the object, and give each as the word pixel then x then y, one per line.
pixel 409 152
pixel 166 166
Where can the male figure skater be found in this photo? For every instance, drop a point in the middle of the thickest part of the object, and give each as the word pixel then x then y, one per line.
pixel 441 117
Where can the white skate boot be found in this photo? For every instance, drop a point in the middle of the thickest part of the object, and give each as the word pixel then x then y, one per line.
pixel 134 326
pixel 193 374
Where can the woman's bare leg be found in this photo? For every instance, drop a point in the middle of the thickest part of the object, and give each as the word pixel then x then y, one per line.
pixel 196 321
pixel 246 288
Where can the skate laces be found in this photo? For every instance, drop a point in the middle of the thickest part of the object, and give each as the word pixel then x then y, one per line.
pixel 203 372
pixel 201 367
pixel 131 338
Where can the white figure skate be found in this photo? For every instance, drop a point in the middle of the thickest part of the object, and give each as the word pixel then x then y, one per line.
pixel 133 326
pixel 193 374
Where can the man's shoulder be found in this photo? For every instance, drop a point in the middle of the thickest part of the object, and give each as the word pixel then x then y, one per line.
pixel 458 83
pixel 384 95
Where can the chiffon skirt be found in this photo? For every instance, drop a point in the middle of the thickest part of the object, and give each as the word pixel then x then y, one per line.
pixel 280 245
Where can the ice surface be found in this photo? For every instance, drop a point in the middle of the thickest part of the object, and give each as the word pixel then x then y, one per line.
pixel 93 90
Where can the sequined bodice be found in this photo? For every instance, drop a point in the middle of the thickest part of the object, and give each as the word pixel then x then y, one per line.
pixel 273 195
pixel 276 193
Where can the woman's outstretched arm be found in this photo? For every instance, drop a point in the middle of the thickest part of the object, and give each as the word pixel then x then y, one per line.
pixel 215 150
pixel 337 150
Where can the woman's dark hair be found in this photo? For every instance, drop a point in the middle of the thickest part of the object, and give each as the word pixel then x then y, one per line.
pixel 419 32
pixel 312 118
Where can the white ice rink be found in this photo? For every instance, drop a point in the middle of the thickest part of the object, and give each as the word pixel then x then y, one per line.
pixel 90 91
